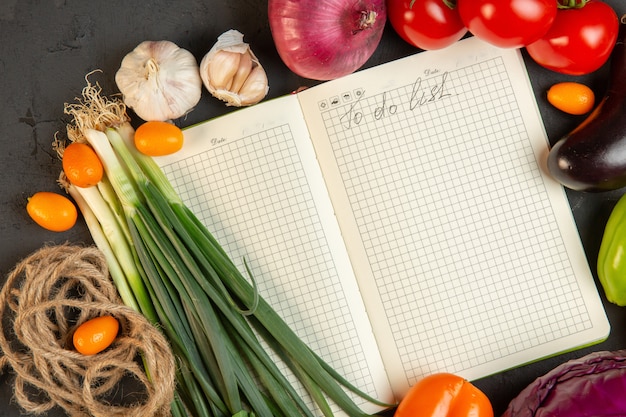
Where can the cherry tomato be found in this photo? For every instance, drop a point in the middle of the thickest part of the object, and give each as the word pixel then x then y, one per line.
pixel 95 335
pixel 156 138
pixel 426 24
pixel 580 40
pixel 444 395
pixel 508 23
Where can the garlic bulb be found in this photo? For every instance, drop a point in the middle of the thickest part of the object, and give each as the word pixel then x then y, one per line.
pixel 159 81
pixel 232 73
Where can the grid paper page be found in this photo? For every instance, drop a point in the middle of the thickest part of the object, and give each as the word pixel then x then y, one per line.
pixel 464 246
pixel 465 260
pixel 254 196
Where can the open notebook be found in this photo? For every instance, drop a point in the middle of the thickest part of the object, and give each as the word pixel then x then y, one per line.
pixel 399 218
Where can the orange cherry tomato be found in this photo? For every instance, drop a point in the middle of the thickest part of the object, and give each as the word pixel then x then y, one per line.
pixel 444 395
pixel 52 211
pixel 571 97
pixel 95 335
pixel 81 165
pixel 156 138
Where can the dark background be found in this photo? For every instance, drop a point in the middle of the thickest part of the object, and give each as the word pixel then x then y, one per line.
pixel 48 46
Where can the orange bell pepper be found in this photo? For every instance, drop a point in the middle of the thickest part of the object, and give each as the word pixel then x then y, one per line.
pixel 444 395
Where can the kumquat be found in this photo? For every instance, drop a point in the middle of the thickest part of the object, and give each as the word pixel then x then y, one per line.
pixel 81 165
pixel 571 97
pixel 52 211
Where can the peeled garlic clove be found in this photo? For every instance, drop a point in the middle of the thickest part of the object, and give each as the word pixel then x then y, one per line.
pixel 226 85
pixel 159 81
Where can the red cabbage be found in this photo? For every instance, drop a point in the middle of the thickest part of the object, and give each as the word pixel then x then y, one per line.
pixel 591 386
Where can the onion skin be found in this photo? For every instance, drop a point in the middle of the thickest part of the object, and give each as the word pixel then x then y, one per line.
pixel 326 39
pixel 591 386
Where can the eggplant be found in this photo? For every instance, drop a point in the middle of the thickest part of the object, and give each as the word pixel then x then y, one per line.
pixel 592 157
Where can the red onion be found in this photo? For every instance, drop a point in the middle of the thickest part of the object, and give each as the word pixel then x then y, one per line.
pixel 326 39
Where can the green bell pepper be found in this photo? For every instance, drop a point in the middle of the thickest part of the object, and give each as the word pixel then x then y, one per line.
pixel 612 255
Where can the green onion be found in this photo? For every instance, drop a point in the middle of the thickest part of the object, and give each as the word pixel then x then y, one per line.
pixel 102 241
pixel 168 265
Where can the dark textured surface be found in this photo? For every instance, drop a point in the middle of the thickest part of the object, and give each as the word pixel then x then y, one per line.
pixel 47 47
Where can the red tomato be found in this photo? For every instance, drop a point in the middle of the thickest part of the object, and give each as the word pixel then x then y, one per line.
pixel 444 395
pixel 426 24
pixel 508 23
pixel 580 41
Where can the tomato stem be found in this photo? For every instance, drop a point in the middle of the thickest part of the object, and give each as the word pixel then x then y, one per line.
pixel 571 4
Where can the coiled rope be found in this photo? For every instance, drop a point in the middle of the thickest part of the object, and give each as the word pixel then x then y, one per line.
pixel 48 295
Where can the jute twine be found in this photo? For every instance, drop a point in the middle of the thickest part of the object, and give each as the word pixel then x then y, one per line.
pixel 45 298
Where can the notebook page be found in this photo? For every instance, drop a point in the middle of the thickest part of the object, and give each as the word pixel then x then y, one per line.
pixel 466 253
pixel 252 178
